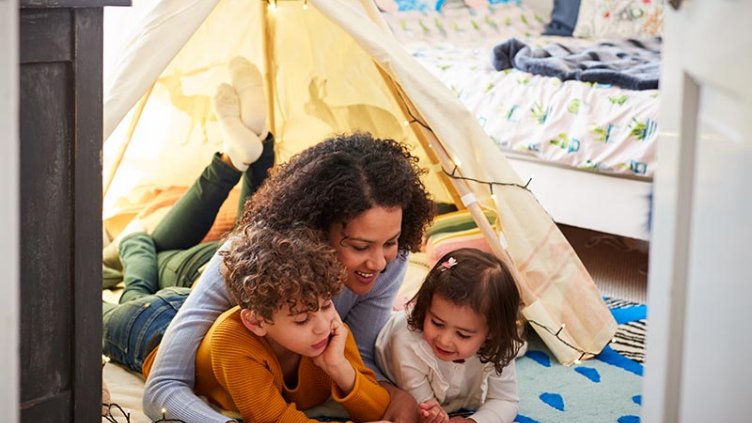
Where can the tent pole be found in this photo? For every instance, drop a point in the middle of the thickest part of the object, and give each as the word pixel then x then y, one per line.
pixel 128 137
pixel 268 64
pixel 438 154
pixel 423 141
pixel 480 219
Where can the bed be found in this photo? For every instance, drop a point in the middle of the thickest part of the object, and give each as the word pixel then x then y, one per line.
pixel 588 149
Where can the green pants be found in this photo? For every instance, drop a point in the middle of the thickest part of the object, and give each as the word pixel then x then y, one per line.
pixel 173 254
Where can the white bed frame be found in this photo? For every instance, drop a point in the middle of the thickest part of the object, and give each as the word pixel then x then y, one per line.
pixel 600 202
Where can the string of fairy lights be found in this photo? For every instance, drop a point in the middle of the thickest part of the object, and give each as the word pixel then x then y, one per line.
pixel 555 333
pixel 272 4
pixel 116 414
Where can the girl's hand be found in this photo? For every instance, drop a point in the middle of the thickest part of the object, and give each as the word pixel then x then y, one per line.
pixel 431 412
pixel 333 361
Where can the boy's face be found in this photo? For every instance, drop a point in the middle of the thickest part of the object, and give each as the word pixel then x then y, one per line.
pixel 305 333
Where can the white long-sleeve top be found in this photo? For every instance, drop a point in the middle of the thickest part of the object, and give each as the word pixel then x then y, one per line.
pixel 407 359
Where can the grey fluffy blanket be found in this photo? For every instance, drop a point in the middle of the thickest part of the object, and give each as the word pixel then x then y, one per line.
pixel 631 63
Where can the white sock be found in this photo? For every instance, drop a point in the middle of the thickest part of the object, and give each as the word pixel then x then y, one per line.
pixel 246 78
pixel 241 144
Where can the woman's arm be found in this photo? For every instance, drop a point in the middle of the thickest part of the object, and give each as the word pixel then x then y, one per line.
pixel 367 400
pixel 170 383
pixel 502 401
pixel 402 406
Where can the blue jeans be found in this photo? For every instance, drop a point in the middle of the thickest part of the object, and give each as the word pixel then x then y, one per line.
pixel 133 329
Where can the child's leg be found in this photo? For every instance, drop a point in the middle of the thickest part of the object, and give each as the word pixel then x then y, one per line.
pixel 183 267
pixel 133 329
pixel 256 173
pixel 139 258
pixel 241 112
pixel 190 219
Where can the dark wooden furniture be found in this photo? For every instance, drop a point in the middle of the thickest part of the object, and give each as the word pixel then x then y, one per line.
pixel 61 196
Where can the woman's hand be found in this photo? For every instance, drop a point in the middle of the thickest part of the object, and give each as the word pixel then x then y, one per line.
pixel 402 406
pixel 431 412
pixel 333 361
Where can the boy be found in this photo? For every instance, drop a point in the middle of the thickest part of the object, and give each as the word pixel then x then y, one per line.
pixel 284 348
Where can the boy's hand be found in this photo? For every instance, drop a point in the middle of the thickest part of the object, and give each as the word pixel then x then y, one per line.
pixel 333 361
pixel 334 353
pixel 431 412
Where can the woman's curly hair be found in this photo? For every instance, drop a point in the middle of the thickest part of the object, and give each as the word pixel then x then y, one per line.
pixel 266 270
pixel 338 179
pixel 482 282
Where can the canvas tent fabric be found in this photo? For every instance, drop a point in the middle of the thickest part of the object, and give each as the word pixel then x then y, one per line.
pixel 331 66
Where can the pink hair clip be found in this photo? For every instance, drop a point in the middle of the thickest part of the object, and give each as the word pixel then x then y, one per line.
pixel 451 262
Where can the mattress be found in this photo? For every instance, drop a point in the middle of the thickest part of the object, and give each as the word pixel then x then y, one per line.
pixel 593 127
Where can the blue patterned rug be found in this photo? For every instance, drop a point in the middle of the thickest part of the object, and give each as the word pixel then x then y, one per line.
pixel 607 388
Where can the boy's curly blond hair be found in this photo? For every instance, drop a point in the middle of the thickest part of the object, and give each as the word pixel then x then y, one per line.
pixel 266 270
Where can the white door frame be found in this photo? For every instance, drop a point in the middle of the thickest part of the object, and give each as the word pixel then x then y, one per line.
pixel 698 286
pixel 9 219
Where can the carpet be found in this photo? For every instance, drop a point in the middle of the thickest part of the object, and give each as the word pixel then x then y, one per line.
pixel 618 265
pixel 607 388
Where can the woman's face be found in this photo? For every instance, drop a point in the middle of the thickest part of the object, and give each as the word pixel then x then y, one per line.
pixel 366 244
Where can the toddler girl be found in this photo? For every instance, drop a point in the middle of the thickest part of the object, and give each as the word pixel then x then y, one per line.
pixel 453 348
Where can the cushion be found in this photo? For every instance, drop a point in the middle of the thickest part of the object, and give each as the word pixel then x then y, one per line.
pixel 484 3
pixel 156 205
pixel 563 18
pixel 421 5
pixel 619 18
pixel 453 231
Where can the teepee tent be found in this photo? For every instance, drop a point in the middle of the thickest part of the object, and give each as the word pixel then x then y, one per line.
pixel 331 66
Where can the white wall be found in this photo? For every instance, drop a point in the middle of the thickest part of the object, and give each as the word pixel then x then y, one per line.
pixel 9 224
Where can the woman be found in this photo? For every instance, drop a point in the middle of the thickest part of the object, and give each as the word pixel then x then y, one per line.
pixel 366 197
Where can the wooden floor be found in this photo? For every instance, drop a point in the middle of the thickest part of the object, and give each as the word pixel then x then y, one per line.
pixel 618 265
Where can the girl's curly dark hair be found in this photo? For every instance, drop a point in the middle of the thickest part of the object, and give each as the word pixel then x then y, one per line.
pixel 266 270
pixel 482 282
pixel 338 179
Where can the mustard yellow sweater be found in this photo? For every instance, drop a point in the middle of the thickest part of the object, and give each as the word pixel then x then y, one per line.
pixel 237 371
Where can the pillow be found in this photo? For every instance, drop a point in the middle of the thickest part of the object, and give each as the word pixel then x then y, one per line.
pixel 563 18
pixel 619 18
pixel 455 230
pixel 480 4
pixel 421 5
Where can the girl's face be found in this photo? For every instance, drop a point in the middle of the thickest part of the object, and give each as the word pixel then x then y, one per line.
pixel 454 332
pixel 366 244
